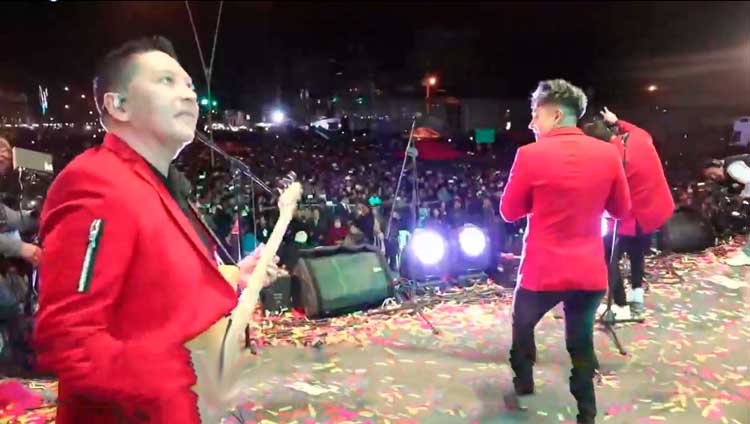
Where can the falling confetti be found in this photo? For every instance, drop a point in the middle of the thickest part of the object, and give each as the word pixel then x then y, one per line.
pixel 688 362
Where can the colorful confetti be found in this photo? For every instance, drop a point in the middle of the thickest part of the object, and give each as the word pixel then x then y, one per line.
pixel 689 362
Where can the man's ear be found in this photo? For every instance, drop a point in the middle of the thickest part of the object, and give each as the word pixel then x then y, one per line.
pixel 116 106
pixel 559 115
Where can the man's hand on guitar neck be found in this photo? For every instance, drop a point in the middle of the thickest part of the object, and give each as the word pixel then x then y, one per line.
pixel 248 263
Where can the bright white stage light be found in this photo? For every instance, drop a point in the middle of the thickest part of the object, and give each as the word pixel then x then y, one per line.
pixel 277 116
pixel 472 241
pixel 428 246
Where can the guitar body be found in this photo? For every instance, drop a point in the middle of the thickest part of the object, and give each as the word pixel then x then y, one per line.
pixel 214 335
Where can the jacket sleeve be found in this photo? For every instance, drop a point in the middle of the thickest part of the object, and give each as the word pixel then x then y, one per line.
pixel 515 202
pixel 618 201
pixel 634 130
pixel 89 239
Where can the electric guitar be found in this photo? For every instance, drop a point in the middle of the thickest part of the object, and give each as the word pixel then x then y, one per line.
pixel 217 354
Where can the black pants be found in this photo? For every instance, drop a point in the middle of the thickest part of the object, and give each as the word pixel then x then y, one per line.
pixel 580 308
pixel 636 247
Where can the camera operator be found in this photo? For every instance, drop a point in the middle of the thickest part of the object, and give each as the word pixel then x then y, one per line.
pixel 738 169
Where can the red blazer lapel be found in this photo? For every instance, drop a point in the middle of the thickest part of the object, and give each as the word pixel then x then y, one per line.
pixel 141 167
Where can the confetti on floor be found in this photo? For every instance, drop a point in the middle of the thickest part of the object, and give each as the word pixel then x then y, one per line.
pixel 689 362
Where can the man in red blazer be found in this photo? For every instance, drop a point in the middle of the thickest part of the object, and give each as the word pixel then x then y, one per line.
pixel 651 199
pixel 128 273
pixel 563 184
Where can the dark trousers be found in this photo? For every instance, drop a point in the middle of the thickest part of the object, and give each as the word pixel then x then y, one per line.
pixel 636 247
pixel 580 308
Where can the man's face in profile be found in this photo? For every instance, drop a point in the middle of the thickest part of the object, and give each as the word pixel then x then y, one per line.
pixel 161 99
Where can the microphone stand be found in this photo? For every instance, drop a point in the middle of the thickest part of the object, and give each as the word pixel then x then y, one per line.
pixel 237 164
pixel 237 169
pixel 607 318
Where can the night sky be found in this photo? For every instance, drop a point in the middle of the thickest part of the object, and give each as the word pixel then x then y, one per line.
pixel 498 49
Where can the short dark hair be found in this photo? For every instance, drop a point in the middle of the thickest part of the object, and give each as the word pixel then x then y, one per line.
pixel 713 163
pixel 561 92
pixel 112 70
pixel 597 128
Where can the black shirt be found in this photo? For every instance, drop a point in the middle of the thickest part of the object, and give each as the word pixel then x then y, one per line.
pixel 179 187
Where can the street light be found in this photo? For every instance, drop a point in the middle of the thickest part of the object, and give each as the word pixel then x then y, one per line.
pixel 430 81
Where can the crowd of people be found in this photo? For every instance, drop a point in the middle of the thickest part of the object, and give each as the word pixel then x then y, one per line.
pixel 349 187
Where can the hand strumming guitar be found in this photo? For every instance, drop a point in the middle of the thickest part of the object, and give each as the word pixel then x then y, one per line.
pixel 248 263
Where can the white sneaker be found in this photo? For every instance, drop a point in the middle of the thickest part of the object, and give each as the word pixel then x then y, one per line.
pixel 628 295
pixel 621 312
pixel 636 295
pixel 738 259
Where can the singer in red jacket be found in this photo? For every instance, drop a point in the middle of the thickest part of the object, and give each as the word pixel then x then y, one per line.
pixel 562 184
pixel 128 273
pixel 651 199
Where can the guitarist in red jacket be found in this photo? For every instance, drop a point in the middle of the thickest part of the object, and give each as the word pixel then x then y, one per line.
pixel 563 184
pixel 129 273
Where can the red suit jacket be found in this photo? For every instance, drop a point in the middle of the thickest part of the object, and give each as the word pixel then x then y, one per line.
pixel 564 183
pixel 113 326
pixel 651 198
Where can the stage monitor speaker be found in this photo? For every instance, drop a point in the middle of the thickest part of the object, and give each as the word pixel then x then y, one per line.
pixel 685 232
pixel 337 280
pixel 277 297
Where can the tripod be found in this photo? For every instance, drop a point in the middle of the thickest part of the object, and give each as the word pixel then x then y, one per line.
pixel 607 318
pixel 412 296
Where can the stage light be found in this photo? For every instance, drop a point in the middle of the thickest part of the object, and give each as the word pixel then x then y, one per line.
pixel 652 88
pixel 277 116
pixel 432 80
pixel 471 253
pixel 425 257
pixel 428 246
pixel 472 241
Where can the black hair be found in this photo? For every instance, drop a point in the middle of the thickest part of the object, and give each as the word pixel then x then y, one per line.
pixel 712 163
pixel 597 128
pixel 113 69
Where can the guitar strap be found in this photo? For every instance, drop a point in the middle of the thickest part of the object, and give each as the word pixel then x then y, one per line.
pixel 210 232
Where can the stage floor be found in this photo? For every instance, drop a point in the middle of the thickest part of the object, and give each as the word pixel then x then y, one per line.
pixel 688 363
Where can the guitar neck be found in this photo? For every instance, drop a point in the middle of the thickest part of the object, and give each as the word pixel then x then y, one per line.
pixel 246 303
